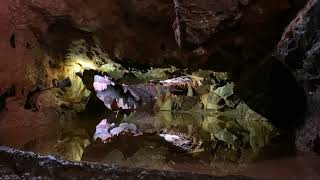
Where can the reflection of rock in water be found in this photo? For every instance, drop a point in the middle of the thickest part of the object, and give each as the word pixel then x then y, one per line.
pixel 127 145
pixel 106 131
pixel 72 144
pixel 139 123
pixel 209 118
pixel 234 134
pixel 148 155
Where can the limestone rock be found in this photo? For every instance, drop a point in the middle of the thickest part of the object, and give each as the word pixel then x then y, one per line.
pixel 196 22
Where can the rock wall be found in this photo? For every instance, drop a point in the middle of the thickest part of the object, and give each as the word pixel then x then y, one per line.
pixel 239 37
pixel 225 34
pixel 299 50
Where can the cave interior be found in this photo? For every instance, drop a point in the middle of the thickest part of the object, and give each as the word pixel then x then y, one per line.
pixel 217 88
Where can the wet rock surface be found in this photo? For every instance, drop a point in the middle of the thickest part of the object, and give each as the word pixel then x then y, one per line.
pixel 299 51
pixel 20 165
pixel 299 46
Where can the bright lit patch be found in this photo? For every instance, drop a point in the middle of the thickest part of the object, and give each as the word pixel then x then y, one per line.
pixel 105 131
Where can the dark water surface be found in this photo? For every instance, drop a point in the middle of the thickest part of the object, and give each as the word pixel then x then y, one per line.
pixel 73 140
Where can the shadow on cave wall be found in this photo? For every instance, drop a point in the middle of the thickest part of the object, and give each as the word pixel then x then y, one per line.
pixel 271 90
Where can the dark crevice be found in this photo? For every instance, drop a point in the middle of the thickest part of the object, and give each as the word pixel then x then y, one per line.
pixel 31 101
pixel 13 40
pixel 8 92
pixel 272 91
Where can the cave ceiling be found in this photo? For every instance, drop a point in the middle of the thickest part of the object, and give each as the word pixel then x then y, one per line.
pixel 200 34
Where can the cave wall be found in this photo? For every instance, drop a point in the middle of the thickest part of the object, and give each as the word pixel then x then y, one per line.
pixel 223 35
pixel 239 37
pixel 299 50
pixel 219 34
pixel 16 67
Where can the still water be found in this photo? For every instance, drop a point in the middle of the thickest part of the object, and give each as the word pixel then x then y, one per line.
pixel 73 139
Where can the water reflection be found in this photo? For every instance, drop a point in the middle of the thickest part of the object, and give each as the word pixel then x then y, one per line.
pixel 220 143
pixel 236 135
pixel 71 144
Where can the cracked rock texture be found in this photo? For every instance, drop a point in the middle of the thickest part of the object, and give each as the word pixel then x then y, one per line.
pixel 299 49
pixel 224 34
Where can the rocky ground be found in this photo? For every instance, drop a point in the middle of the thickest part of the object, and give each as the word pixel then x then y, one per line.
pixel 23 165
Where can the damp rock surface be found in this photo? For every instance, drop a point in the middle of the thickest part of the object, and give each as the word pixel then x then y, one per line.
pixel 298 49
pixel 16 164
